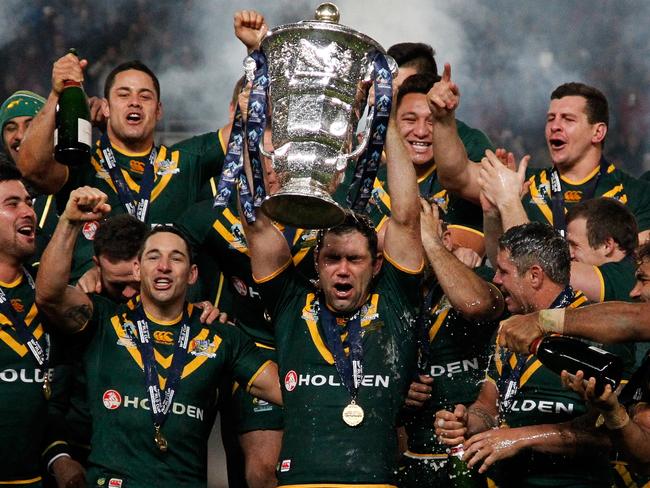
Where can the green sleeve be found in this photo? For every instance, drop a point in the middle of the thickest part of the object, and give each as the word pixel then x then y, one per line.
pixel 207 151
pixel 245 359
pixel 618 279
pixel 638 195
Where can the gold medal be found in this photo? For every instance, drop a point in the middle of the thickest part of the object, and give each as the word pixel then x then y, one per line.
pixel 47 389
pixel 353 414
pixel 160 441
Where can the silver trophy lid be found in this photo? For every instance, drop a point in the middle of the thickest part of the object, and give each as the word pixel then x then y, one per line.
pixel 326 19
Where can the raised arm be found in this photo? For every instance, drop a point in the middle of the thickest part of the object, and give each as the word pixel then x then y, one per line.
pixel 608 322
pixel 402 241
pixel 68 307
pixel 467 292
pixel 36 161
pixel 455 171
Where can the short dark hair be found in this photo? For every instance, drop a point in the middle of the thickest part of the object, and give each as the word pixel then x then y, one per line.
pixel 171 229
pixel 119 238
pixel 420 83
pixel 642 253
pixel 597 108
pixel 539 244
pixel 136 65
pixel 8 170
pixel 416 55
pixel 353 222
pixel 607 217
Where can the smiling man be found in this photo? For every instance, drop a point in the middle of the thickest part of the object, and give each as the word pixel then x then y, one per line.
pixel 576 127
pixel 154 183
pixel 152 367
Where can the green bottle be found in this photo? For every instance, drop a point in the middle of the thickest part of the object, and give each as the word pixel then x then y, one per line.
pixel 73 132
pixel 461 476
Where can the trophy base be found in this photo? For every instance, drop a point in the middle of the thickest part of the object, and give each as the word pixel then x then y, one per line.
pixel 303 211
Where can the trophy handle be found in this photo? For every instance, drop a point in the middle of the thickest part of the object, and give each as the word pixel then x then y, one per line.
pixel 265 153
pixel 342 159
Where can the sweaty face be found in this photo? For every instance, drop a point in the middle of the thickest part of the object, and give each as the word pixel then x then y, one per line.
pixel 17 222
pixel 415 126
pixel 345 269
pixel 164 270
pixel 569 134
pixel 133 109
pixel 641 288
pixel 579 246
pixel 118 280
pixel 13 134
pixel 515 288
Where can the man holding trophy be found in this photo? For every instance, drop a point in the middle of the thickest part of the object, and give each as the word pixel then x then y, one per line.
pixel 345 346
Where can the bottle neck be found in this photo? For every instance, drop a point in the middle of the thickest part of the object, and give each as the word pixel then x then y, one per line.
pixel 534 346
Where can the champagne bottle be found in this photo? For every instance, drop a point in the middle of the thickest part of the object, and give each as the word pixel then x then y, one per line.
pixel 459 474
pixel 73 132
pixel 560 352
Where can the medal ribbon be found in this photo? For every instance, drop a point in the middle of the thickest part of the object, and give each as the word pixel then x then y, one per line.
pixel 508 387
pixel 136 206
pixel 350 368
pixel 233 168
pixel 557 196
pixel 368 163
pixel 26 336
pixel 161 401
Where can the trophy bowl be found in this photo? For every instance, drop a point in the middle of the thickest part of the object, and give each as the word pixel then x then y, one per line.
pixel 319 77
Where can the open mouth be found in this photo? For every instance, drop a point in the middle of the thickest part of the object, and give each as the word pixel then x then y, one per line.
pixel 342 290
pixel 557 143
pixel 26 230
pixel 162 283
pixel 134 117
pixel 420 146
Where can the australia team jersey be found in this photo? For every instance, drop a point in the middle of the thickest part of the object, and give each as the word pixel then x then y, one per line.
pixel 614 183
pixel 541 399
pixel 318 448
pixel 23 407
pixel 122 445
pixel 180 170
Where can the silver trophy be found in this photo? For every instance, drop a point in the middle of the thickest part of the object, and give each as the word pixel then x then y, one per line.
pixel 319 74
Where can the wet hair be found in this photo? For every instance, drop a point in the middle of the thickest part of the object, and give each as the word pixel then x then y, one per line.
pixel 539 244
pixel 119 238
pixel 642 253
pixel 136 65
pixel 416 55
pixel 171 229
pixel 607 218
pixel 597 108
pixel 415 84
pixel 239 85
pixel 353 222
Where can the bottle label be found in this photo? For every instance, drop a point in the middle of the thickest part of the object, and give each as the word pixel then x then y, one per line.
pixel 56 137
pixel 84 132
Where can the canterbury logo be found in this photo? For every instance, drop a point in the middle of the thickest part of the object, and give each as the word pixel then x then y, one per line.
pixel 572 196
pixel 163 337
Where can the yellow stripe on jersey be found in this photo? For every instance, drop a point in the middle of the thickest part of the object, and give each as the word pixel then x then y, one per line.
pixel 313 330
pixel 46 210
pixel 435 328
pixel 539 200
pixel 529 371
pixel 21 482
pixel 257 373
pixel 16 346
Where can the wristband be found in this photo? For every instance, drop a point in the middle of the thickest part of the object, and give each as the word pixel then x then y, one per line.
pixel 551 321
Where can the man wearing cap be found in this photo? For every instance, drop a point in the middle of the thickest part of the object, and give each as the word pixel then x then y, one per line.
pixel 16 113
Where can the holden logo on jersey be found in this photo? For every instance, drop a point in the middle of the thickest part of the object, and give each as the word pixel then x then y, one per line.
pixel 290 380
pixel 239 285
pixel 89 229
pixel 165 337
pixel 167 167
pixel 112 399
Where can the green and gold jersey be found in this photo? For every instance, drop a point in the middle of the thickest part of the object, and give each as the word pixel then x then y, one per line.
pixel 457 212
pixel 122 446
pixel 23 407
pixel 458 356
pixel 181 171
pixel 616 279
pixel 318 448
pixel 614 183
pixel 218 232
pixel 541 399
